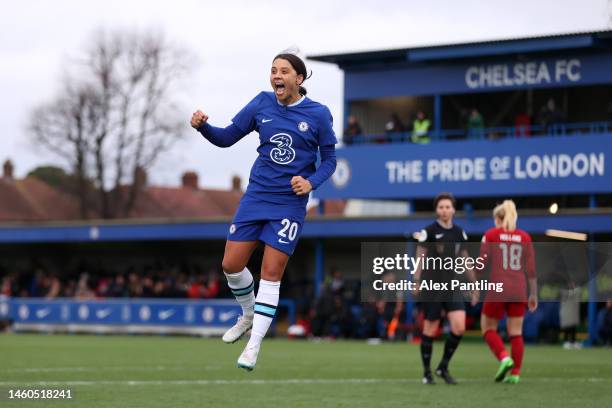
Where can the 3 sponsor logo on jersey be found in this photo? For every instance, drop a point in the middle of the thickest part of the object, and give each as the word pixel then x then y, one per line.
pixel 283 153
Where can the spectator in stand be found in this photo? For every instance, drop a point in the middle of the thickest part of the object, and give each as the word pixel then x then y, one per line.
pixel 420 129
pixel 352 130
pixel 156 281
pixel 37 284
pixel 196 288
pixel 341 319
pixel 118 287
pixel 181 285
pixel 161 289
pixel 47 286
pixel 475 125
pixel 7 286
pixel 147 287
pixel 213 285
pixel 337 282
pixel 550 117
pixel 522 125
pixel 134 284
pixel 83 291
pixel 69 289
pixel 369 319
pixel 394 126
pixel 102 287
pixel 54 287
pixel 322 312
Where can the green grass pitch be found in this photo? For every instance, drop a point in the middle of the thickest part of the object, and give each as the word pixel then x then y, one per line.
pixel 136 371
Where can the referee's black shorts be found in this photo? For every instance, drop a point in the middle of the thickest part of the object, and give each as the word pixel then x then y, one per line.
pixel 433 310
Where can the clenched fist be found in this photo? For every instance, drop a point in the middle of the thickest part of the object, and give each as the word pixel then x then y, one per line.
pixel 300 185
pixel 198 119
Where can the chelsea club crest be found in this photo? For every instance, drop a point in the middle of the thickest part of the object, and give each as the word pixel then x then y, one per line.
pixel 303 126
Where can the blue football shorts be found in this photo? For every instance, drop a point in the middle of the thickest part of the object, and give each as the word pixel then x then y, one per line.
pixel 277 225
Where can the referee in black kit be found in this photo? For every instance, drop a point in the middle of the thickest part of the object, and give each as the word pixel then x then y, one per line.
pixel 441 239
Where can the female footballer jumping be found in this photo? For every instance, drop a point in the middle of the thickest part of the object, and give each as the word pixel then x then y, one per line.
pixel 508 252
pixel 292 128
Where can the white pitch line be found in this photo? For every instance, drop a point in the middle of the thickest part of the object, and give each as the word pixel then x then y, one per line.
pixel 98 369
pixel 214 382
pixel 291 381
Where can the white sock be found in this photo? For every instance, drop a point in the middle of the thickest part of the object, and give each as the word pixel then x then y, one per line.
pixel 243 288
pixel 265 308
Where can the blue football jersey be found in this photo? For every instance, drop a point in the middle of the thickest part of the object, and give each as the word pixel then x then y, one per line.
pixel 289 139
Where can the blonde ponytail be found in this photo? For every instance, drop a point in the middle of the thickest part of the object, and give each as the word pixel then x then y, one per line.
pixel 506 212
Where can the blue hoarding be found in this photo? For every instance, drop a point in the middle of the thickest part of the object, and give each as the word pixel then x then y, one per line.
pixel 538 166
pixel 163 313
pixel 135 311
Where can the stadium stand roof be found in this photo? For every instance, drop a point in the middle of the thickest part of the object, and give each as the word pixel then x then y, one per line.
pixel 591 41
pixel 327 227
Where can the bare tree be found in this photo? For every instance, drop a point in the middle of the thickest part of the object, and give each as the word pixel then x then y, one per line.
pixel 62 128
pixel 115 114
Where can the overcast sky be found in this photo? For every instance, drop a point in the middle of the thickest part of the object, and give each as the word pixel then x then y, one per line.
pixel 235 41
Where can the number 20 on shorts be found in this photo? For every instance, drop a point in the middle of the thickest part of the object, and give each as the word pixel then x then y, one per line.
pixel 289 230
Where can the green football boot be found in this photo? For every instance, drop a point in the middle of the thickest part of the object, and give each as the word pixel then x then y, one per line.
pixel 512 379
pixel 505 366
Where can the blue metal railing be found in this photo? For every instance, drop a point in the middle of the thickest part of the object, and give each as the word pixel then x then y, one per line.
pixel 558 129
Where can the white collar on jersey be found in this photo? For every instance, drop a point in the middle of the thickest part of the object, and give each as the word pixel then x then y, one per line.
pixel 294 103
